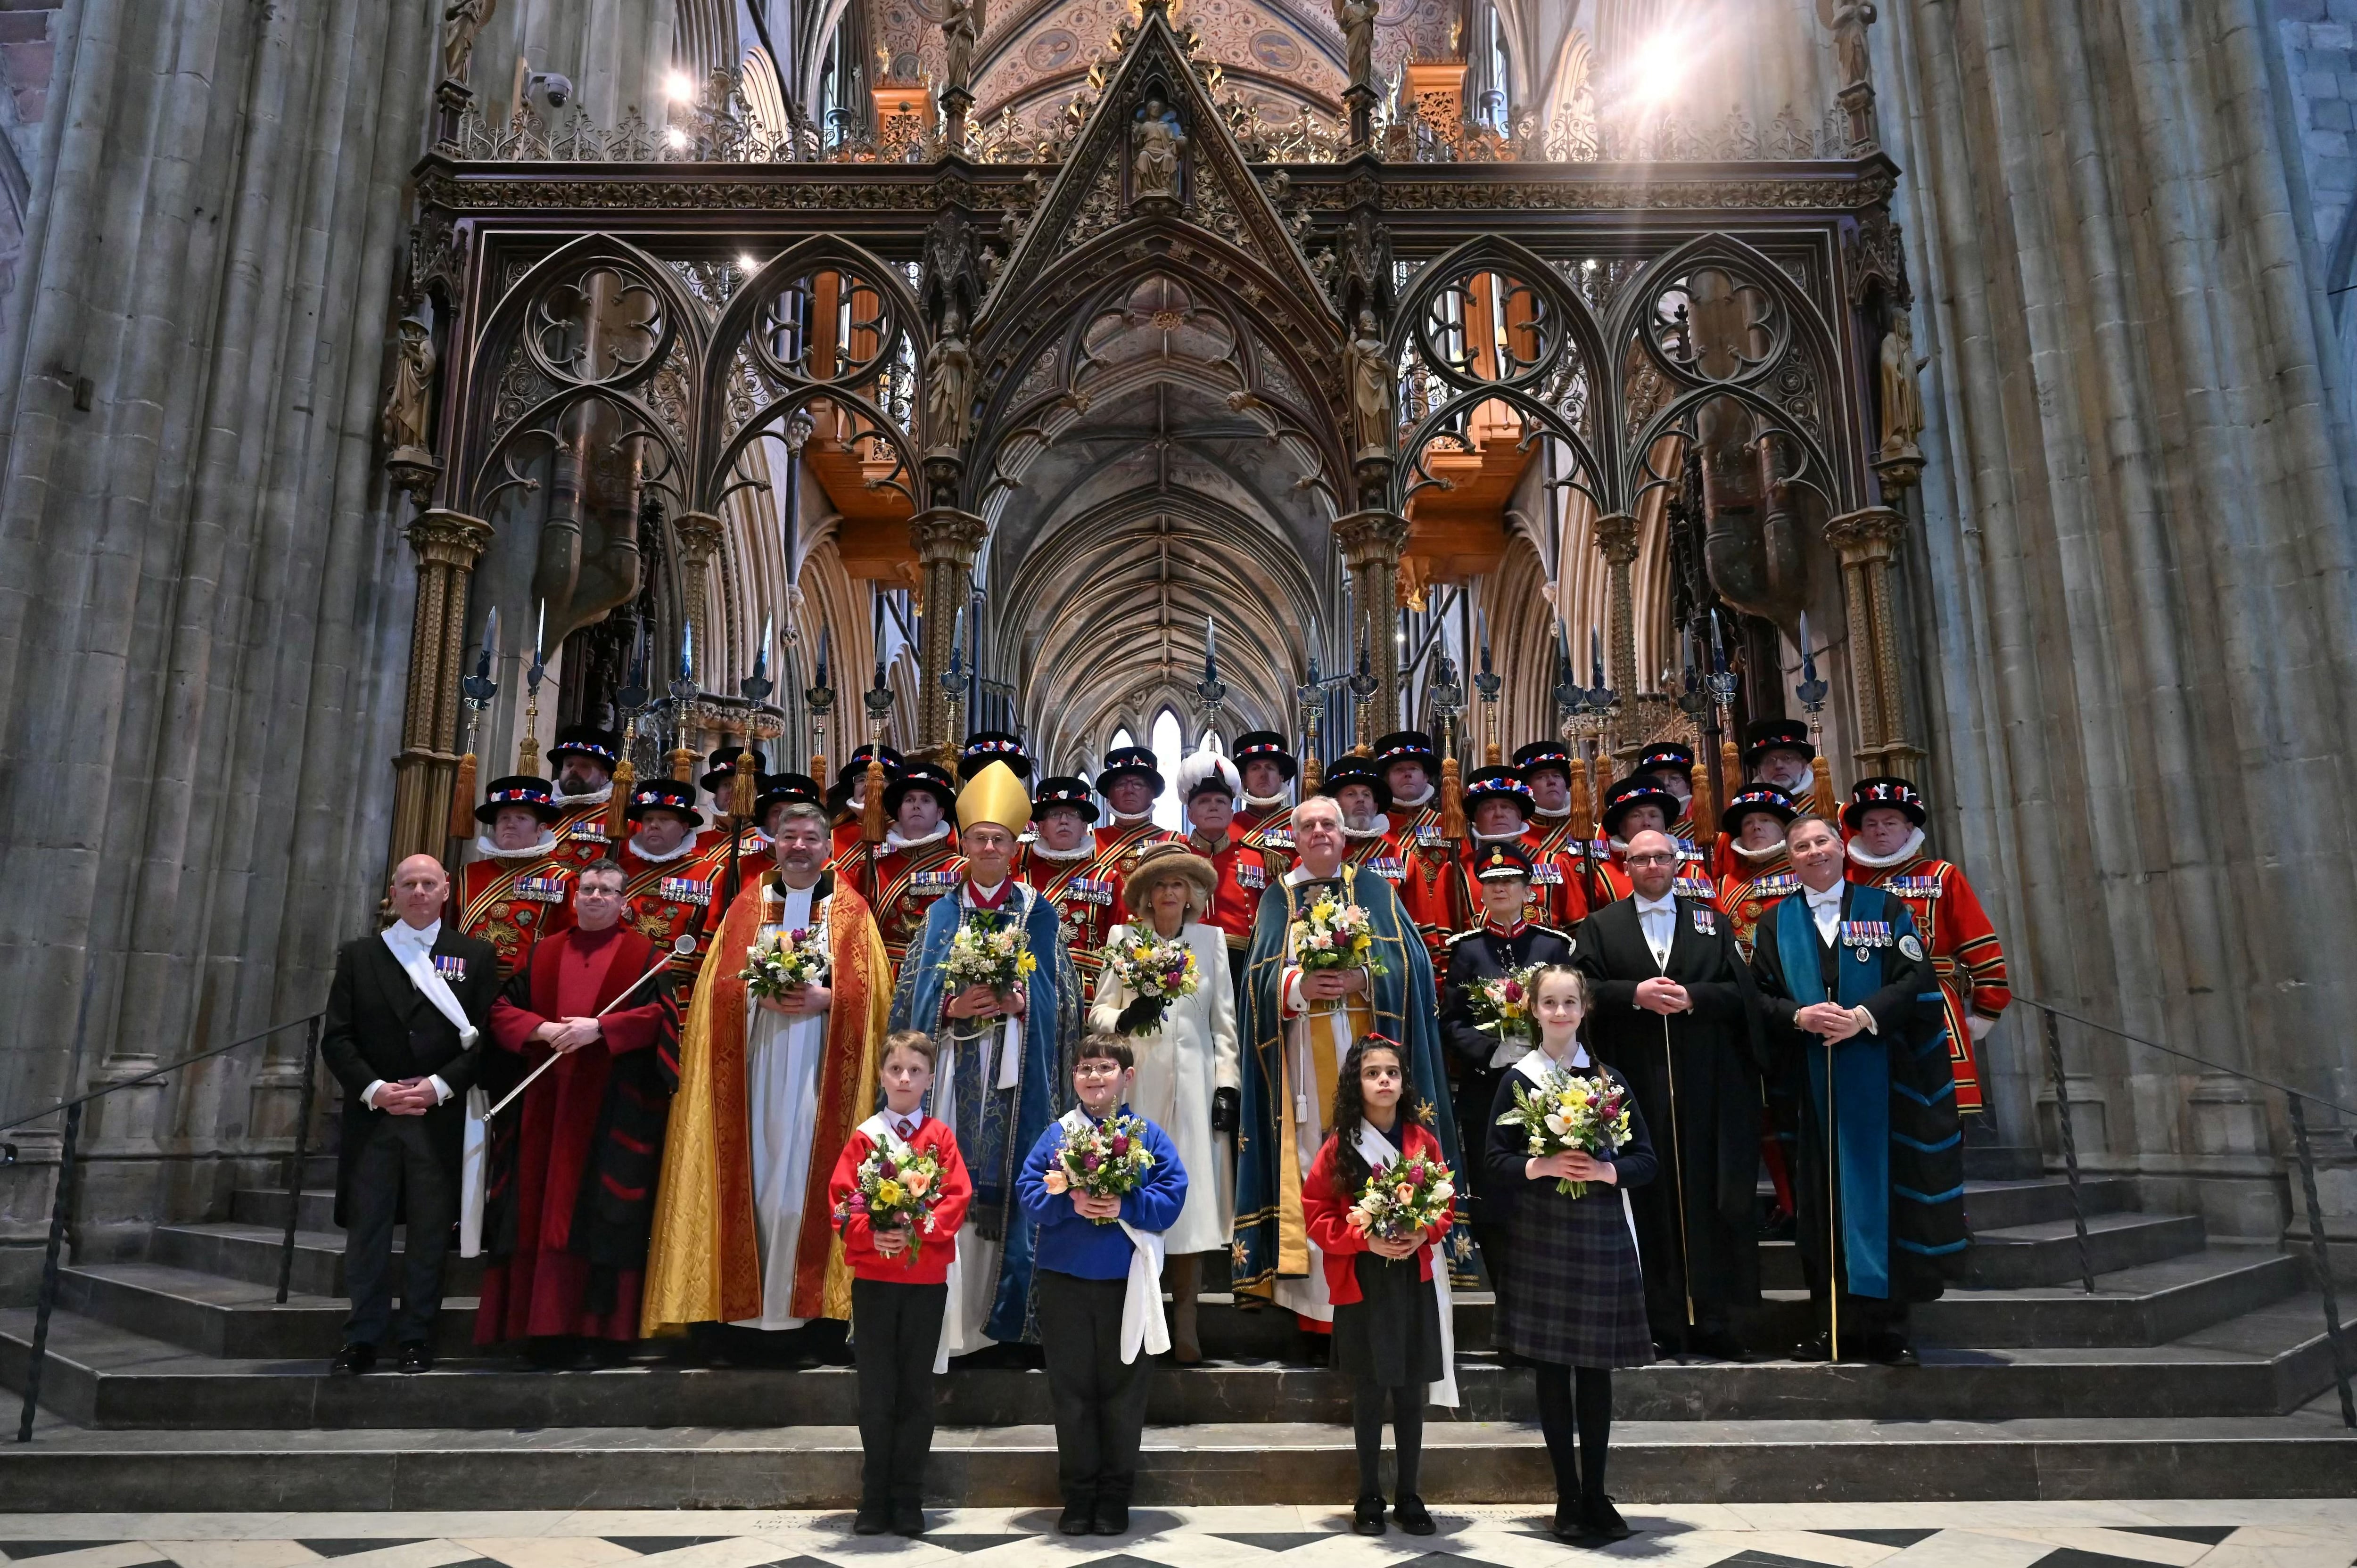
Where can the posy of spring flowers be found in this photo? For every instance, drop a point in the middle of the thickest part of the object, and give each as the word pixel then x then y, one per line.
pixel 896 1192
pixel 785 961
pixel 1404 1199
pixel 1157 973
pixel 1108 1160
pixel 1502 1005
pixel 1571 1111
pixel 987 950
pixel 1336 935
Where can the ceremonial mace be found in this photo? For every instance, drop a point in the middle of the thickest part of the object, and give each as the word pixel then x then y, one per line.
pixel 1811 693
pixel 528 753
pixel 1694 700
pixel 1209 689
pixel 682 693
pixel 1446 695
pixel 681 946
pixel 1363 686
pixel 631 700
pixel 1491 685
pixel 477 690
pixel 1721 684
pixel 821 698
pixel 878 700
pixel 1571 707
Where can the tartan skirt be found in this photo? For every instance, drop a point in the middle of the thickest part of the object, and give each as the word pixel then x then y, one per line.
pixel 1574 1294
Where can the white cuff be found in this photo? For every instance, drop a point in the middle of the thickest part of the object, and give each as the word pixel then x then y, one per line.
pixel 441 1090
pixel 1289 998
pixel 1864 1019
pixel 1978 1028
pixel 368 1095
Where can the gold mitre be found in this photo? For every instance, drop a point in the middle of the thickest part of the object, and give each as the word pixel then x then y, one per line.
pixel 995 795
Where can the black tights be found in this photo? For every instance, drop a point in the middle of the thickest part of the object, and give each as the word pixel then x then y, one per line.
pixel 1408 1433
pixel 1590 1409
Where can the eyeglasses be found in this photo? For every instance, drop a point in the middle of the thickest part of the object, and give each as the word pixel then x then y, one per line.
pixel 1651 859
pixel 1097 1069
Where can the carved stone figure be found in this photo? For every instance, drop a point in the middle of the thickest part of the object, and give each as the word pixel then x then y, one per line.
pixel 949 375
pixel 1903 400
pixel 1156 141
pixel 1371 386
pixel 460 23
pixel 409 407
pixel 1849 20
pixel 957 35
pixel 1357 20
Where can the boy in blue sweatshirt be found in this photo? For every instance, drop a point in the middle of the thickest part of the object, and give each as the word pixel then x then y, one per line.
pixel 1099 1263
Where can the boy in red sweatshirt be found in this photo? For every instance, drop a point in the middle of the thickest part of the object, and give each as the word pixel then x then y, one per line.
pixel 900 1284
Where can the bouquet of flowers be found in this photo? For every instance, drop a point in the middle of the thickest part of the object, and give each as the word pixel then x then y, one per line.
pixel 1337 936
pixel 1501 1006
pixel 1157 973
pixel 897 1192
pixel 1107 1161
pixel 1571 1113
pixel 1404 1199
pixel 987 950
pixel 785 961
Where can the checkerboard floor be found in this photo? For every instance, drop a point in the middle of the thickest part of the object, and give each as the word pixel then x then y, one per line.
pixel 2166 1534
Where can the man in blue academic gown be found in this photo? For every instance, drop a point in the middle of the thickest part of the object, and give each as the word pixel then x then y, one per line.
pixel 1005 1064
pixel 1880 1176
pixel 1298 1027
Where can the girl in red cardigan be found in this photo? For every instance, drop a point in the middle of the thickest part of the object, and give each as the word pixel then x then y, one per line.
pixel 898 1293
pixel 1388 1330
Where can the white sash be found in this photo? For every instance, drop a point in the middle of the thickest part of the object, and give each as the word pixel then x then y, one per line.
pixel 1143 1326
pixel 1377 1151
pixel 1538 1067
pixel 879 1129
pixel 474 1145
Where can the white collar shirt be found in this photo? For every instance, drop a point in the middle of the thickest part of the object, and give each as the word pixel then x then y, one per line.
pixel 1825 909
pixel 1658 918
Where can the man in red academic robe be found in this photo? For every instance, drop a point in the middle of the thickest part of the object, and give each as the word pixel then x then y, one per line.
pixel 1885 817
pixel 515 891
pixel 1060 862
pixel 566 1224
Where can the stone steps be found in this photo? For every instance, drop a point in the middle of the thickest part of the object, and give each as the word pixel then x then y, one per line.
pixel 2307 1455
pixel 100 1374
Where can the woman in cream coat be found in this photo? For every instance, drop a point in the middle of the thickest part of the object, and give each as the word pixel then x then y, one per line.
pixel 1183 1065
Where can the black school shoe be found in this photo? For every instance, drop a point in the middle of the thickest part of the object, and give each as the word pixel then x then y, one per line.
pixel 352 1360
pixel 1602 1520
pixel 1567 1528
pixel 1367 1515
pixel 1413 1516
pixel 1890 1350
pixel 873 1518
pixel 1111 1518
pixel 416 1355
pixel 908 1518
pixel 1080 1517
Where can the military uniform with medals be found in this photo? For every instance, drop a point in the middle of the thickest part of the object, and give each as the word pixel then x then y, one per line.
pixel 669 896
pixel 1265 823
pixel 511 898
pixel 1431 887
pixel 581 836
pixel 900 879
pixel 1087 905
pixel 1121 841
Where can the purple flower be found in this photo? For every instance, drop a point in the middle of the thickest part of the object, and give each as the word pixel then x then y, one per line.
pixel 858 1204
pixel 1121 1143
pixel 1091 1163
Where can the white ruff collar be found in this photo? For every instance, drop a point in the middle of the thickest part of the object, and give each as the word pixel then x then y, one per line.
pixel 1127 819
pixel 489 850
pixel 1900 857
pixel 1551 816
pixel 598 796
pixel 1263 802
pixel 1418 803
pixel 1382 824
pixel 893 840
pixel 1758 854
pixel 686 845
pixel 1301 874
pixel 1480 837
pixel 1042 848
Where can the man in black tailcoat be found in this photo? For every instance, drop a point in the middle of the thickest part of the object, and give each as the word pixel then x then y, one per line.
pixel 1673 1013
pixel 404 1013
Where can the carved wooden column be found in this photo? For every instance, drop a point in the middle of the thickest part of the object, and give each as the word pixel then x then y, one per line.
pixel 449 545
pixel 947 542
pixel 1371 542
pixel 1866 543
pixel 1615 537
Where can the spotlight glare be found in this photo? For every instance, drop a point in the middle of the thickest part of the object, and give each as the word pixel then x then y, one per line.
pixel 746 263
pixel 1654 72
pixel 679 87
pixel 676 136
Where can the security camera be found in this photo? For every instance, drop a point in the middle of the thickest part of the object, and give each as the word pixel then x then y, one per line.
pixel 558 88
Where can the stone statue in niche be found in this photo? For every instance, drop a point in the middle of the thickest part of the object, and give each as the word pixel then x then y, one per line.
pixel 460 23
pixel 1847 20
pixel 1902 398
pixel 1357 20
pixel 1371 386
pixel 1155 142
pixel 957 37
pixel 949 375
pixel 409 406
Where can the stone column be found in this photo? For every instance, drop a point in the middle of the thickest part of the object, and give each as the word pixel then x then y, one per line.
pixel 699 535
pixel 1867 542
pixel 947 540
pixel 448 545
pixel 1615 537
pixel 1371 542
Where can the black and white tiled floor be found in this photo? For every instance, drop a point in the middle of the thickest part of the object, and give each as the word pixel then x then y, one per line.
pixel 2149 1534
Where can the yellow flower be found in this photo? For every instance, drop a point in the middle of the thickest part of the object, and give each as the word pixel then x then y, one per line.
pixel 888 1194
pixel 1026 964
pixel 1322 911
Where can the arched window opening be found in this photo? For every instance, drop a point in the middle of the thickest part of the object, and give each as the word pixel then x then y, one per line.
pixel 1169 750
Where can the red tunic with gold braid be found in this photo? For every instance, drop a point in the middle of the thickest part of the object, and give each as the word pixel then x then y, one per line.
pixel 1746 894
pixel 1086 894
pixel 1963 951
pixel 1377 852
pixel 581 834
pixel 1120 844
pixel 901 883
pixel 664 901
pixel 1269 829
pixel 1244 870
pixel 1558 892
pixel 845 840
pixel 513 901
pixel 755 861
pixel 1432 887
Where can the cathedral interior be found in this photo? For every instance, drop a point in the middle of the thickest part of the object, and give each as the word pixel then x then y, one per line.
pixel 396 384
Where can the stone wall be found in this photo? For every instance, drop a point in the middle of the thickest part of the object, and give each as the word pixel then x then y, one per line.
pixel 203 592
pixel 2132 585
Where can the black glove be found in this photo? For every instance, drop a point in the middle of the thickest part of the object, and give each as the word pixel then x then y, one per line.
pixel 1227 1110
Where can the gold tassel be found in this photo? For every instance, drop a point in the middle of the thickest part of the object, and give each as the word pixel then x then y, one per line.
pixel 871 809
pixel 618 824
pixel 1452 800
pixel 818 767
pixel 1704 809
pixel 1730 764
pixel 1820 799
pixel 683 766
pixel 1312 776
pixel 462 799
pixel 1583 818
pixel 740 789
